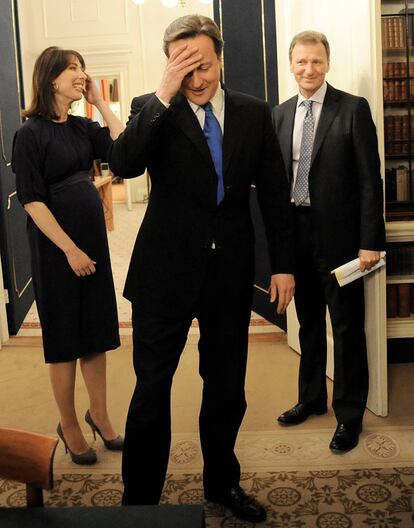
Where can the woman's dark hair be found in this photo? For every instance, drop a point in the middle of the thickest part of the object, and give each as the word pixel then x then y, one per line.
pixel 49 65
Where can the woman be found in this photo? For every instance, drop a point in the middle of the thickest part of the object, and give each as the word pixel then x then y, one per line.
pixel 52 159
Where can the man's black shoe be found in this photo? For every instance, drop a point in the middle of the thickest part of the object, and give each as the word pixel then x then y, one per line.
pixel 299 413
pixel 242 506
pixel 345 438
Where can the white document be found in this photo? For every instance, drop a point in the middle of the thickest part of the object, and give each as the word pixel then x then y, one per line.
pixel 350 271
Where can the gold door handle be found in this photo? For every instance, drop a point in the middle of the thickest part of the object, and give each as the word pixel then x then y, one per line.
pixel 3 152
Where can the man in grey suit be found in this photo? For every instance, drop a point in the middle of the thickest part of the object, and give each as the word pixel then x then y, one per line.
pixel 203 146
pixel 329 145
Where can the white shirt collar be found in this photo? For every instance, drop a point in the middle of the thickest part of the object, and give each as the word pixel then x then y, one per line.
pixel 217 102
pixel 317 97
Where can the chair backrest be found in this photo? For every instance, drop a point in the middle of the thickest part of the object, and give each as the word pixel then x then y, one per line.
pixel 28 457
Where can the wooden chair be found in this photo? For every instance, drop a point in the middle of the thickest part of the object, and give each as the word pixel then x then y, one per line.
pixel 28 457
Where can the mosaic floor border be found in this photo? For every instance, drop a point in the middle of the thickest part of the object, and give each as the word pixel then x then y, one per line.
pixel 377 498
pixel 281 450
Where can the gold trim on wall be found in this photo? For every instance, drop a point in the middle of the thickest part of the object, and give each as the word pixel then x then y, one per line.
pixel 16 287
pixel 261 289
pixel 3 150
pixel 20 292
pixel 9 199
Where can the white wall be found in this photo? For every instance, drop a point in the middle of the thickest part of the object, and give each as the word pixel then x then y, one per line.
pixel 116 37
pixel 351 27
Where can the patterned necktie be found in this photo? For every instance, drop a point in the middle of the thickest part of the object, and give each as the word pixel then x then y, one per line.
pixel 214 137
pixel 300 192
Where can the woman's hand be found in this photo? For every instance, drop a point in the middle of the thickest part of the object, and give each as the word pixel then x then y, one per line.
pixel 92 94
pixel 80 263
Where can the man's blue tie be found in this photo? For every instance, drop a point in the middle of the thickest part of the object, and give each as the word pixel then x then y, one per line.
pixel 214 137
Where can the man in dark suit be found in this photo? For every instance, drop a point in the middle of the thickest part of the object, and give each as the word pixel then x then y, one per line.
pixel 329 145
pixel 193 257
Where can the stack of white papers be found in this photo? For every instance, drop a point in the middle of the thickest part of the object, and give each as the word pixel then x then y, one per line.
pixel 350 271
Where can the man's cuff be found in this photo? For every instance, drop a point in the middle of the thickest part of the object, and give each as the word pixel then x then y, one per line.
pixel 167 105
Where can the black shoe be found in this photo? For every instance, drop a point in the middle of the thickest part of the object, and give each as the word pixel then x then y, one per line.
pixel 345 438
pixel 242 506
pixel 299 413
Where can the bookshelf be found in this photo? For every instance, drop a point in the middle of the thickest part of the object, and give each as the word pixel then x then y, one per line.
pixel 397 33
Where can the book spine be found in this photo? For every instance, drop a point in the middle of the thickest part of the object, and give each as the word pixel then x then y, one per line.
pixel 412 298
pixel 392 300
pixel 402 184
pixel 403 300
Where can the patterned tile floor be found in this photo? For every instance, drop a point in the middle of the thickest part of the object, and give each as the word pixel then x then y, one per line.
pixel 377 498
pixel 301 484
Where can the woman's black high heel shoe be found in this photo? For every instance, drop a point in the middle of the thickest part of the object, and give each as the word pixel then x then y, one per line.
pixel 113 445
pixel 88 458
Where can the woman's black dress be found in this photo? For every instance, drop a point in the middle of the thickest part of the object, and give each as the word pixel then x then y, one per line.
pixel 51 161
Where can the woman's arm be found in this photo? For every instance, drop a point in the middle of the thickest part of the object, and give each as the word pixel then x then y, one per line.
pixel 93 96
pixel 78 260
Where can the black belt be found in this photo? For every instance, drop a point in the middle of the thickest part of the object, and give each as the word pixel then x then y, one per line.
pixel 76 177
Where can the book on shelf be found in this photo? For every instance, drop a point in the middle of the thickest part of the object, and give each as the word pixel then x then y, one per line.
pixel 395 90
pixel 114 90
pixel 404 300
pixel 412 298
pixel 402 184
pixel 105 89
pixel 395 132
pixel 392 32
pixel 400 300
pixel 400 259
pixel 397 69
pixel 392 300
pixel 410 26
pixel 399 184
pixel 412 185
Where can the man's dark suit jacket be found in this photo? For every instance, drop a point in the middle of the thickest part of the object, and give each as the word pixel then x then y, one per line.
pixel 345 186
pixel 182 220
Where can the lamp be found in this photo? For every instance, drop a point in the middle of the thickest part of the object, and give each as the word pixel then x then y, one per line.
pixel 169 3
